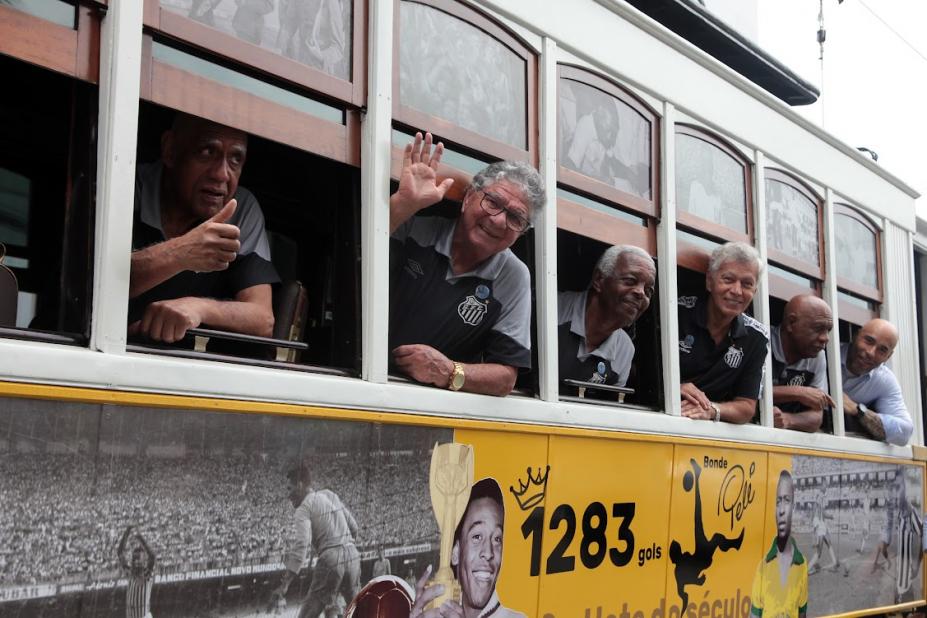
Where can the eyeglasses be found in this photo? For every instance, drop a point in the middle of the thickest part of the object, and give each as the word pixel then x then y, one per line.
pixel 515 221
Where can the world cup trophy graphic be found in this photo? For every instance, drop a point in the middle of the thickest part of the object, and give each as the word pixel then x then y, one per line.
pixel 449 481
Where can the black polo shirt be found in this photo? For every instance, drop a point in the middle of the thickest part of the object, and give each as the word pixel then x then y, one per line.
pixel 483 316
pixel 727 371
pixel 250 267
pixel 609 363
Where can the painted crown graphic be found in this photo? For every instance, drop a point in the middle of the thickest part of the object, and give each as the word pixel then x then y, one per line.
pixel 530 493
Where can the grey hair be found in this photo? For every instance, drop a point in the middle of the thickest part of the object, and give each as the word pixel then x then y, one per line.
pixel 606 263
pixel 518 173
pixel 739 252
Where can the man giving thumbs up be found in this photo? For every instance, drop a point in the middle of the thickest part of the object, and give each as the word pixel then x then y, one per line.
pixel 200 253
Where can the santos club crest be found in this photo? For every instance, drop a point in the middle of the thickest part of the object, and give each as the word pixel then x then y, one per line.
pixel 472 310
pixel 733 356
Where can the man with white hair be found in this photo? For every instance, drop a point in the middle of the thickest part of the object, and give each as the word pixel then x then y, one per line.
pixel 460 300
pixel 592 343
pixel 722 352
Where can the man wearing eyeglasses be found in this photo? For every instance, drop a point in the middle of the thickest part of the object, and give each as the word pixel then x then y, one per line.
pixel 460 300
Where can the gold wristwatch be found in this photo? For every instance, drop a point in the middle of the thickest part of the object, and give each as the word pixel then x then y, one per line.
pixel 457 379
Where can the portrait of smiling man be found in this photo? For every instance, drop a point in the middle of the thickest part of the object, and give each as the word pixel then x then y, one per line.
pixel 460 300
pixel 593 345
pixel 199 249
pixel 780 586
pixel 476 559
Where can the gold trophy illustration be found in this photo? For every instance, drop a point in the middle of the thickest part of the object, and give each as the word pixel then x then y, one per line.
pixel 449 481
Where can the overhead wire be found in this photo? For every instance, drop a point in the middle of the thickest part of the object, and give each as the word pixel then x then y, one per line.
pixel 893 31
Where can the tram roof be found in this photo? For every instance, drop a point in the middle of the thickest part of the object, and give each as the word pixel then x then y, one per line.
pixel 712 35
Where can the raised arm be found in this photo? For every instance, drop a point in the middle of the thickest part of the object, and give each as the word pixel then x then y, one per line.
pixel 418 181
pixel 121 550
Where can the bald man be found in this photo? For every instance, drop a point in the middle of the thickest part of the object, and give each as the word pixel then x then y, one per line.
pixel 799 366
pixel 872 402
pixel 200 254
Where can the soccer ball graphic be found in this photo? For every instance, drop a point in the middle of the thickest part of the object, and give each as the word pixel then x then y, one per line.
pixel 386 596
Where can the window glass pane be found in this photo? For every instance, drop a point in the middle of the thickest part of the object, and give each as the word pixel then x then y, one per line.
pixel 710 183
pixel 54 11
pixel 241 81
pixel 790 276
pixel 601 207
pixel 793 222
pixel 14 208
pixel 604 137
pixel 856 251
pixel 451 69
pixel 314 32
pixel 856 300
pixel 698 241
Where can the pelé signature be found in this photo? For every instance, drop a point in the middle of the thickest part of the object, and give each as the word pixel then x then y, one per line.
pixel 736 492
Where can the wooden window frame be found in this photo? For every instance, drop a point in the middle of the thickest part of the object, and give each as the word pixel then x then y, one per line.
pixel 855 314
pixel 586 184
pixel 852 287
pixel 603 227
pixel 71 51
pixel 784 289
pixel 216 42
pixel 815 271
pixel 711 228
pixel 471 140
pixel 177 89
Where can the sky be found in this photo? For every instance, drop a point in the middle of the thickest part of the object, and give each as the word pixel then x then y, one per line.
pixel 874 86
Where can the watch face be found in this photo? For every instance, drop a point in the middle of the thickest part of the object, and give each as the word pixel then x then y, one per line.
pixel 458 381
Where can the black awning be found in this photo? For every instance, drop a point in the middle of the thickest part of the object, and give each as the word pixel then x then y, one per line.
pixel 691 21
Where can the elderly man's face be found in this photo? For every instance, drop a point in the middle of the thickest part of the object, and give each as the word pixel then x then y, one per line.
pixel 810 330
pixel 872 346
pixel 785 497
pixel 478 553
pixel 204 163
pixel 491 233
pixel 732 287
pixel 627 291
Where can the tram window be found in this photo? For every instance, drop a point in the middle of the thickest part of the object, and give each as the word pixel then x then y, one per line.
pixel 462 75
pixel 55 11
pixel 311 212
pixel 793 215
pixel 47 165
pixel 439 319
pixel 577 257
pixel 316 44
pixel 859 265
pixel 713 185
pixel 801 375
pixel 289 28
pixel 720 382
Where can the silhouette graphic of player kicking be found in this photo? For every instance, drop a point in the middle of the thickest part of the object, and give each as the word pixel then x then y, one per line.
pixel 690 567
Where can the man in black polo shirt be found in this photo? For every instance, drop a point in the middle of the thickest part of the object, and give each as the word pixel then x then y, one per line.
pixel 592 345
pixel 200 253
pixel 460 300
pixel 799 366
pixel 721 351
